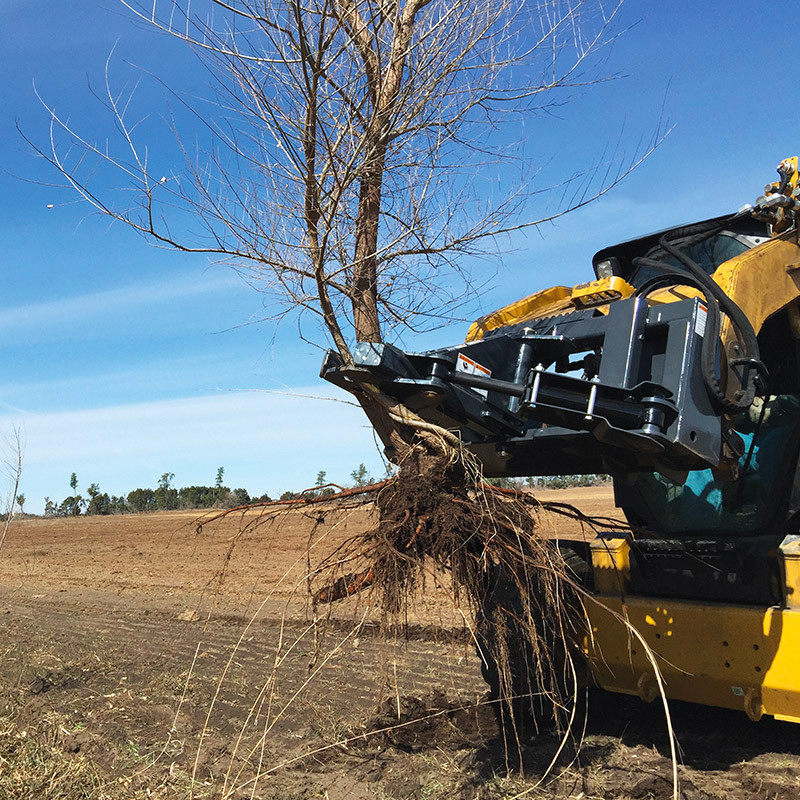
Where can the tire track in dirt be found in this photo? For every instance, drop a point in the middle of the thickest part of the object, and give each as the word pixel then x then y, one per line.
pixel 353 675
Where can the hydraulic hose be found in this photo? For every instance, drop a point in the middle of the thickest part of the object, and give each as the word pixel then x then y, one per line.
pixel 708 353
pixel 715 298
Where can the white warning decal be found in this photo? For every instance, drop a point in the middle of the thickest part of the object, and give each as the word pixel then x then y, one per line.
pixel 470 367
pixel 700 320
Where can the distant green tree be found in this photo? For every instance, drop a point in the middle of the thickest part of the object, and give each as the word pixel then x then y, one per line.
pixel 197 496
pixel 360 476
pixel 140 500
pixel 241 497
pixel 288 495
pixel 119 505
pixel 230 498
pixel 21 503
pixel 70 506
pixel 102 504
pixel 166 496
pixel 49 507
pixel 219 489
pixel 99 502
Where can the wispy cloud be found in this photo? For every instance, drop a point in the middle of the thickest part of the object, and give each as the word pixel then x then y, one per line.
pixel 147 378
pixel 266 442
pixel 79 307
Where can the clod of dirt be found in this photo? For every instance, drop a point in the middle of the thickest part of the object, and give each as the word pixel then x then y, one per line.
pixel 41 684
pixel 53 679
pixel 76 742
pixel 433 722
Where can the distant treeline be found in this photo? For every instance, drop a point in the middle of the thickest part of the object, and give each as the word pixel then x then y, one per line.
pixel 166 497
pixel 552 481
pixel 140 500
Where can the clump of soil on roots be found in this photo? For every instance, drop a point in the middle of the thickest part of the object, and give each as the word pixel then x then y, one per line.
pixel 437 515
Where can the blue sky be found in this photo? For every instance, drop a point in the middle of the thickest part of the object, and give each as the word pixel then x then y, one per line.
pixel 120 361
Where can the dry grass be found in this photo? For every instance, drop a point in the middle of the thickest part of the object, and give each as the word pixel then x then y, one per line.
pixel 35 765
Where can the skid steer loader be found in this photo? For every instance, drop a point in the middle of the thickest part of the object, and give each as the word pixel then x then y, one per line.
pixel 676 371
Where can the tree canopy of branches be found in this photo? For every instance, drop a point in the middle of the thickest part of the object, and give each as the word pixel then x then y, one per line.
pixel 356 152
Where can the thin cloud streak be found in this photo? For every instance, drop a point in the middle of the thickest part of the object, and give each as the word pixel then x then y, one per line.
pixel 161 378
pixel 265 442
pixel 99 304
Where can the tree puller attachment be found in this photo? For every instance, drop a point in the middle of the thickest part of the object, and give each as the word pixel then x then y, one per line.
pixel 676 371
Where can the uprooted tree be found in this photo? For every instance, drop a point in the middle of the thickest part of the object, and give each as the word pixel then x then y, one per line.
pixel 346 172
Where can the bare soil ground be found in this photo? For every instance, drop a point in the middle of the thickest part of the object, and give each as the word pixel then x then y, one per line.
pixel 139 658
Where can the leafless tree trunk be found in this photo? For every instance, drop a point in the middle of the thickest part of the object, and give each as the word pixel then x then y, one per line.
pixel 347 146
pixel 12 467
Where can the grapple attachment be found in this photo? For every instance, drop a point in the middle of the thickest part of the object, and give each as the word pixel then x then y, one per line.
pixel 618 389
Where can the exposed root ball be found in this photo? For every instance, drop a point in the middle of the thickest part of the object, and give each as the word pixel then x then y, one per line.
pixel 439 515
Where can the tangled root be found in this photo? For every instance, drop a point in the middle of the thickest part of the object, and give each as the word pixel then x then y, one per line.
pixel 439 515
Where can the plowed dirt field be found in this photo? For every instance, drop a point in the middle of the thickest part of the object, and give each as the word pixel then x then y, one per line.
pixel 140 658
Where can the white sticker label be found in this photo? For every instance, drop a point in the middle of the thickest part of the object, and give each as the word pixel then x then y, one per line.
pixel 470 367
pixel 700 320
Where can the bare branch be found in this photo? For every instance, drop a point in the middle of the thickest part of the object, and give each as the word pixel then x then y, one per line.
pixel 12 467
pixel 345 152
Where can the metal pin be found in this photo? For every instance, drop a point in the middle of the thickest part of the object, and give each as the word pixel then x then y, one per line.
pixel 539 369
pixel 592 399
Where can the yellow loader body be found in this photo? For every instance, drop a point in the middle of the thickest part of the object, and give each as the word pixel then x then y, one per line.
pixel 737 657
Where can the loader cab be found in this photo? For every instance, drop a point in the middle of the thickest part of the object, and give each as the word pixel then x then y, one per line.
pixel 714 535
pixel 742 235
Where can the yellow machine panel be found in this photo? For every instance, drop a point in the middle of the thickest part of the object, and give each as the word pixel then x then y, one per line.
pixel 763 280
pixel 552 302
pixel 543 303
pixel 739 657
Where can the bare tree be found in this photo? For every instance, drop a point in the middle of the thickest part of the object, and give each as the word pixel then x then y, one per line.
pixel 348 149
pixel 348 143
pixel 12 468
